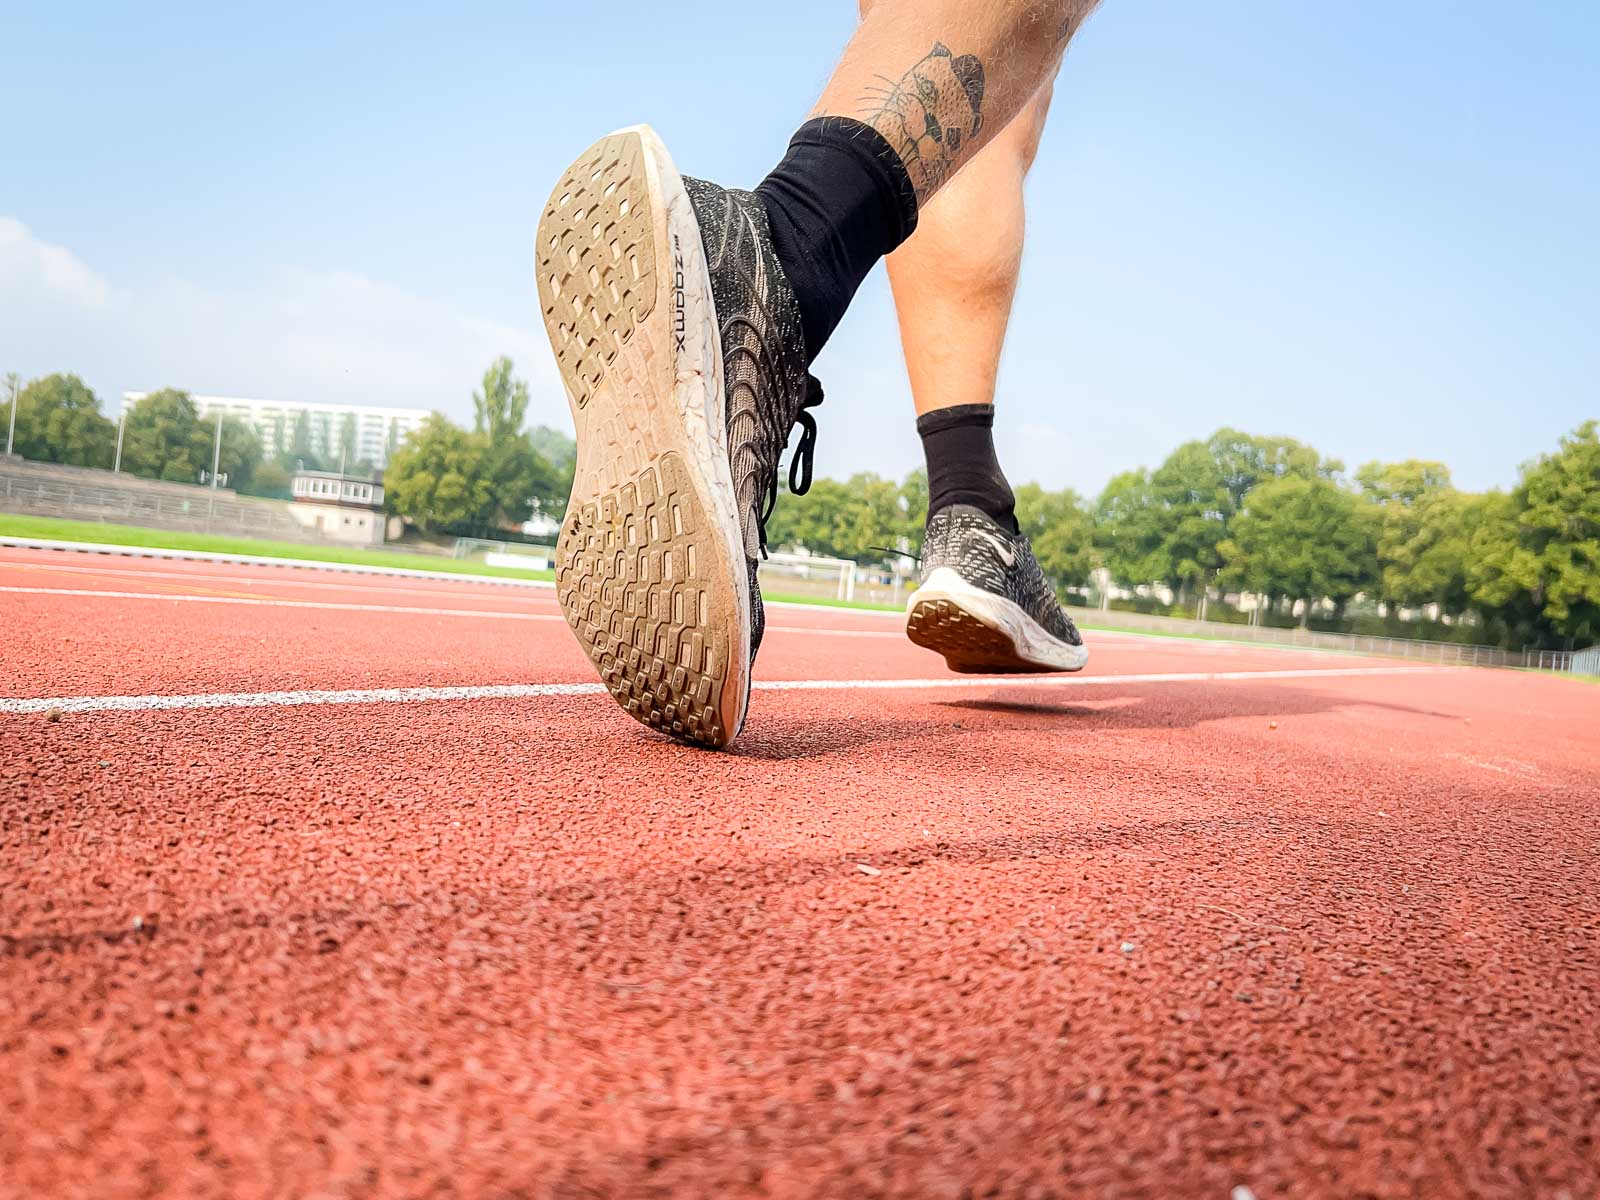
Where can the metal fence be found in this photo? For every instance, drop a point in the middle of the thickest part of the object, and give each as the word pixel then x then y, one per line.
pixel 1583 662
pixel 1447 653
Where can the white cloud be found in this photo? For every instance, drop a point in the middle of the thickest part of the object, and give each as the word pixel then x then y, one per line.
pixel 55 273
pixel 333 336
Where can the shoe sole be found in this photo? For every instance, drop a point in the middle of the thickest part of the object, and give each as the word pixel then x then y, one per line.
pixel 981 633
pixel 650 568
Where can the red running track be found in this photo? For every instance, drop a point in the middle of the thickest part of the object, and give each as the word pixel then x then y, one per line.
pixel 1307 932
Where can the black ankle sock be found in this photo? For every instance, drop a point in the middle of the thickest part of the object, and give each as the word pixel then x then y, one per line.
pixel 962 467
pixel 837 203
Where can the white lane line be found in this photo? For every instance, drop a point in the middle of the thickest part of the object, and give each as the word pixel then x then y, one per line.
pixel 261 560
pixel 256 602
pixel 412 610
pixel 385 587
pixel 525 691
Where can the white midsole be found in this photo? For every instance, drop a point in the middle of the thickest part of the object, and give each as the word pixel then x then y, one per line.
pixel 699 393
pixel 1032 642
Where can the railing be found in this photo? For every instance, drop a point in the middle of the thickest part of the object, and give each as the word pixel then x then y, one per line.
pixel 1583 662
pixel 492 553
pixel 1446 653
pixel 203 511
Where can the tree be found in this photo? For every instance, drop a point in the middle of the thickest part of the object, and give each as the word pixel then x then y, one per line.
pixel 1542 556
pixel 558 458
pixel 914 506
pixel 1245 460
pixel 1423 533
pixel 439 478
pixel 59 420
pixel 1126 529
pixel 1191 508
pixel 1302 538
pixel 521 479
pixel 270 479
pixel 555 447
pixel 241 451
pixel 858 518
pixel 166 438
pixel 1061 530
pixel 300 440
pixel 347 441
pixel 516 477
pixel 501 407
pixel 163 438
pixel 1168 525
pixel 1402 483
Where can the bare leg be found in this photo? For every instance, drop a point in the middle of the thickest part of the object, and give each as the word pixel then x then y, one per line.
pixel 955 277
pixel 940 79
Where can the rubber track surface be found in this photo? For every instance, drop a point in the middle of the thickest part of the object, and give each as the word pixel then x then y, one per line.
pixel 1333 935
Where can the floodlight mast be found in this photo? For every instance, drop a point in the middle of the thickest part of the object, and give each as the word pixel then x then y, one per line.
pixel 11 429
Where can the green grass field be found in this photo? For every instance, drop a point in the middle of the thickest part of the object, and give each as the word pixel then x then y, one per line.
pixel 59 530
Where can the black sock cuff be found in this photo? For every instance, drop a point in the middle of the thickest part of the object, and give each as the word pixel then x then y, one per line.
pixel 898 214
pixel 972 416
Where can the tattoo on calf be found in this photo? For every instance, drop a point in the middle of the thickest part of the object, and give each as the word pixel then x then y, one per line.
pixel 929 114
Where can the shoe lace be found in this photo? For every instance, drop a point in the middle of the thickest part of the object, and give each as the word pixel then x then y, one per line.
pixel 799 464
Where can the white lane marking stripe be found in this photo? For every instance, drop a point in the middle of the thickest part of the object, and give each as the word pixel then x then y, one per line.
pixel 412 610
pixel 258 602
pixel 261 560
pixel 524 691
pixel 389 587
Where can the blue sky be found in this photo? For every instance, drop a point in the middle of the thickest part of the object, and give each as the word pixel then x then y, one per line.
pixel 1371 227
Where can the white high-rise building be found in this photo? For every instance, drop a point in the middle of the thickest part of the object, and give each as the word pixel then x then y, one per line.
pixel 360 432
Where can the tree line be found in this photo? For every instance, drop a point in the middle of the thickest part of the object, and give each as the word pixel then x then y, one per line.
pixel 1395 548
pixel 482 481
pixel 1380 550
pixel 58 419
pixel 443 478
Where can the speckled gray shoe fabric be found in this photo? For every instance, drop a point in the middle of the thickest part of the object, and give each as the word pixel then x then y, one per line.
pixel 763 363
pixel 984 602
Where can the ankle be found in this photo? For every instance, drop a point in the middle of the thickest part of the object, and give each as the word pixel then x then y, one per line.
pixel 838 202
pixel 958 444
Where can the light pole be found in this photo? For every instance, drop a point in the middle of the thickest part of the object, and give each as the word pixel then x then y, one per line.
pixel 216 461
pixel 122 421
pixel 216 452
pixel 11 429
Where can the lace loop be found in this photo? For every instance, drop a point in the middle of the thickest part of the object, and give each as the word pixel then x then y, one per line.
pixel 799 464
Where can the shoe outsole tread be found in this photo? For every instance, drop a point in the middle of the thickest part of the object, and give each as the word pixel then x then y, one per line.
pixel 642 574
pixel 968 645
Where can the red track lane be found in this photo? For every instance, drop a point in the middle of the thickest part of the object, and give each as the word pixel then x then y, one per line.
pixel 1330 935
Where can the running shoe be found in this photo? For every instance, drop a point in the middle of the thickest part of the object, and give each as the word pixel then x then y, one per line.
pixel 984 602
pixel 679 341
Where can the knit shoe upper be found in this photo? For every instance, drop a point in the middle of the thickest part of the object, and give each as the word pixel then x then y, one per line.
pixel 984 602
pixel 763 362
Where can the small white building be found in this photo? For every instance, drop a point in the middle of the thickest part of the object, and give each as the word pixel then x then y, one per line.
pixel 345 508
